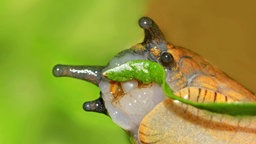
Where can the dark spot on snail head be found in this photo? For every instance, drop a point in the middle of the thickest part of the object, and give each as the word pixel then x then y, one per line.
pixel 167 59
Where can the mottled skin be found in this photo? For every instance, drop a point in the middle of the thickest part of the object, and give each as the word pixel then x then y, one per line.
pixel 197 72
pixel 190 76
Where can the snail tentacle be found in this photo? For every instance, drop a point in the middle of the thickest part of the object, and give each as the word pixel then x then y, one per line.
pixel 87 73
pixel 153 35
pixel 152 31
pixel 95 106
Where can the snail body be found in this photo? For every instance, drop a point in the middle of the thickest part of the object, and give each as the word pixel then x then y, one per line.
pixel 148 115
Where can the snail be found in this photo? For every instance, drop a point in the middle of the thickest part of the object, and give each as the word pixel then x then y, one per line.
pixel 148 115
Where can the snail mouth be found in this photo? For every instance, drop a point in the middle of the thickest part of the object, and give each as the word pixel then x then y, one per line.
pixel 128 102
pixel 119 89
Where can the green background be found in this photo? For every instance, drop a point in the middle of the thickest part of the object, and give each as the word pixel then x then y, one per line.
pixel 37 108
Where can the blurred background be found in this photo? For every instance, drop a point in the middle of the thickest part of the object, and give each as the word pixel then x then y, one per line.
pixel 37 108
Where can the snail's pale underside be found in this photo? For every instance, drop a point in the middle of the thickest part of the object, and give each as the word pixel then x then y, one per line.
pixel 148 115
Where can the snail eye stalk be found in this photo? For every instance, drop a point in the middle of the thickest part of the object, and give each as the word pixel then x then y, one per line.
pixel 153 35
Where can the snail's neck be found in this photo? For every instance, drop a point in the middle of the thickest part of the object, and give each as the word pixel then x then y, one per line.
pixel 176 80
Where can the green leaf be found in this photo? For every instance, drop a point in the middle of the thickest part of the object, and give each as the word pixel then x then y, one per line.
pixel 142 70
pixel 234 108
pixel 148 71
